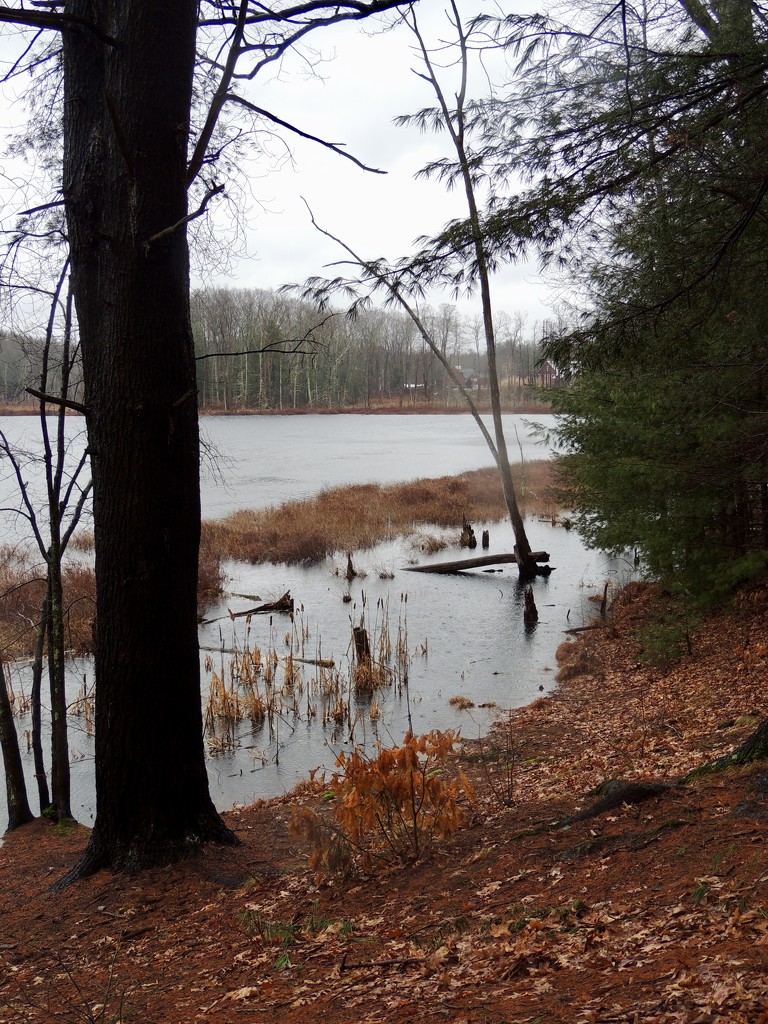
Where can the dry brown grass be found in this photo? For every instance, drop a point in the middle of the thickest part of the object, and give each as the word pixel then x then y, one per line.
pixel 22 588
pixel 210 580
pixel 19 408
pixel 82 540
pixel 575 660
pixel 360 516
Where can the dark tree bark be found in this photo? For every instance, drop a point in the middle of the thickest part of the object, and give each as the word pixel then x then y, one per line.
pixel 15 786
pixel 60 776
pixel 54 471
pixel 126 121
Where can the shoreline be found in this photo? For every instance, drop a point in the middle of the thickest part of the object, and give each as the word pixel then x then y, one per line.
pixel 651 911
pixel 522 409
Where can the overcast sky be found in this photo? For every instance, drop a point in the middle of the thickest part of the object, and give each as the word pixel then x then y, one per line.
pixel 364 81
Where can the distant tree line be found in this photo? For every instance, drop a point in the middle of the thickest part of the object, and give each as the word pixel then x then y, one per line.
pixel 257 349
pixel 21 357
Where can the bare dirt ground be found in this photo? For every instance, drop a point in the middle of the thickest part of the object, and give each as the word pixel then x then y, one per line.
pixel 649 912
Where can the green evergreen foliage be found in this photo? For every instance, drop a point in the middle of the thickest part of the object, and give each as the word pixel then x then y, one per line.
pixel 643 134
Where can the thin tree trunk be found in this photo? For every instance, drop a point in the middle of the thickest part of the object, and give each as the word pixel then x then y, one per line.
pixel 455 125
pixel 54 476
pixel 41 778
pixel 19 812
pixel 60 774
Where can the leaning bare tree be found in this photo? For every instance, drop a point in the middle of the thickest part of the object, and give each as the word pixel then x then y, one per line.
pixel 402 282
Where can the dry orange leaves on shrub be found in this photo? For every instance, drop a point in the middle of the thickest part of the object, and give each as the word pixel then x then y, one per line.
pixel 391 806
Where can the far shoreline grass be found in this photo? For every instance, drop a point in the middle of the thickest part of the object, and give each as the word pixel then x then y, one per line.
pixel 362 515
pixel 528 407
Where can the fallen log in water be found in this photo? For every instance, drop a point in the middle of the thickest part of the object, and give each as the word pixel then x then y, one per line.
pixel 320 662
pixel 475 563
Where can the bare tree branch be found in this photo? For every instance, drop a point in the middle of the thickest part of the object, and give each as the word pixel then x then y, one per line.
pixel 278 347
pixel 39 209
pixel 50 20
pixel 66 403
pixel 333 146
pixel 394 290
pixel 185 220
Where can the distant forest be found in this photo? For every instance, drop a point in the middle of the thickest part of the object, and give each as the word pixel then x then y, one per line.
pixel 260 350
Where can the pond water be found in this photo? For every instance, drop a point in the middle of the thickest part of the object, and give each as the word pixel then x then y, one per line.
pixel 270 459
pixel 457 636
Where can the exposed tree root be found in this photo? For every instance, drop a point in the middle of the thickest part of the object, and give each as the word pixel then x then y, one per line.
pixel 615 794
pixel 754 748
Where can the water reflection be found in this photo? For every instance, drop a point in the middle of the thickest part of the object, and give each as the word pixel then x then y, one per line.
pixel 466 636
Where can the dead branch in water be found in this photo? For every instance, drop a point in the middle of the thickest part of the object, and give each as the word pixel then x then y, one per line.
pixel 282 604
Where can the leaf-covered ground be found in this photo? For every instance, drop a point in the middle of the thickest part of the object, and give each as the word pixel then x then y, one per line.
pixel 649 912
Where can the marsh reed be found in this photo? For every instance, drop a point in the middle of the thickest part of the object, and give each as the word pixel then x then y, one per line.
pixel 289 680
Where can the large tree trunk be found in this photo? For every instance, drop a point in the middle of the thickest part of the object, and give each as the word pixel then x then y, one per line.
pixel 125 148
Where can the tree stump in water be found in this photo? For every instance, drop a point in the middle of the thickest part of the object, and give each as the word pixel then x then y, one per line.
pixel 468 538
pixel 604 601
pixel 531 612
pixel 362 645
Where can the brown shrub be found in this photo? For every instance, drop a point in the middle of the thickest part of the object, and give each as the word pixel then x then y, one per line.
pixel 576 659
pixel 22 588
